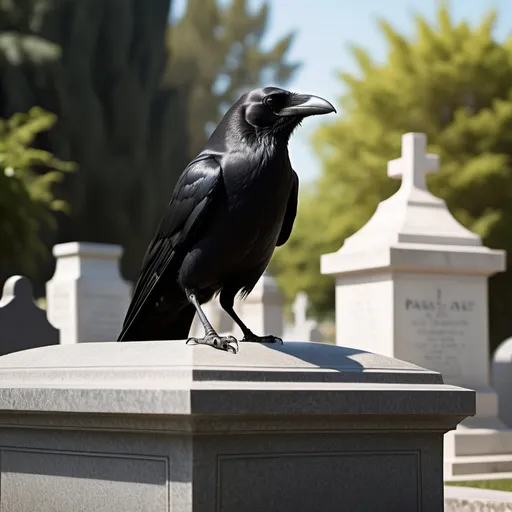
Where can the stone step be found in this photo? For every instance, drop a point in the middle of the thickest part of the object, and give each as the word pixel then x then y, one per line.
pixel 481 442
pixel 471 465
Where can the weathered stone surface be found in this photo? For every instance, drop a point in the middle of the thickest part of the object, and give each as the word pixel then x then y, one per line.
pixel 162 426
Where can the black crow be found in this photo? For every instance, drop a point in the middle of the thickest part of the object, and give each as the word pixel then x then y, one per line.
pixel 233 204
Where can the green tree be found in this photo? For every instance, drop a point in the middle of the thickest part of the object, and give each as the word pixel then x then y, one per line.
pixel 450 81
pixel 23 51
pixel 26 197
pixel 103 83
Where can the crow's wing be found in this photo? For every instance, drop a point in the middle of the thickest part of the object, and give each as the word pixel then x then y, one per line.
pixel 291 212
pixel 194 195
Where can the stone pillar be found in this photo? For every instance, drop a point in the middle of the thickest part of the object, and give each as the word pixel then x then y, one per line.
pixel 412 284
pixel 86 298
pixel 163 426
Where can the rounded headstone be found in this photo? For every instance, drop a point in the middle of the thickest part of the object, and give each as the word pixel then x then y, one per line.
pixel 502 380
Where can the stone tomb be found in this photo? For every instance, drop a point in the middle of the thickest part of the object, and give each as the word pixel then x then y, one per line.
pixel 412 284
pixel 164 426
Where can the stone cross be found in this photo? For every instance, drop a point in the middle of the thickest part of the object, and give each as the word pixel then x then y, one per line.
pixel 302 328
pixel 300 308
pixel 414 163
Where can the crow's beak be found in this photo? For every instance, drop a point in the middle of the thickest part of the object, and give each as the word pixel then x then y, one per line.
pixel 306 105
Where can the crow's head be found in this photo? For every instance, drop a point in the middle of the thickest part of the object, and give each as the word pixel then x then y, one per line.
pixel 277 111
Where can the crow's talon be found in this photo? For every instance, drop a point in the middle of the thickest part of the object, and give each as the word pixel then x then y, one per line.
pixel 226 343
pixel 230 342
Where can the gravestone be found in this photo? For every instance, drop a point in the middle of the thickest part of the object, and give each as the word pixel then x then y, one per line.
pixel 302 328
pixel 162 426
pixel 23 325
pixel 502 380
pixel 300 308
pixel 86 298
pixel 412 284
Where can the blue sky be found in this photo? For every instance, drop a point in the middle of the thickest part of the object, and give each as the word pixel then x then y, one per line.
pixel 325 28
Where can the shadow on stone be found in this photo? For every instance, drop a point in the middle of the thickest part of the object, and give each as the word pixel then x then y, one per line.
pixel 342 364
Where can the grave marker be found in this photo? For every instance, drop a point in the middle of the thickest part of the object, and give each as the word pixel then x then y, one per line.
pixel 412 284
pixel 302 328
pixel 86 298
pixel 23 325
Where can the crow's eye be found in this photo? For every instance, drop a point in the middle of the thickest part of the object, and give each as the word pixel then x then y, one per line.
pixel 270 101
pixel 275 102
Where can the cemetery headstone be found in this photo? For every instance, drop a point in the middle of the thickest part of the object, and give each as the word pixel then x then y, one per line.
pixel 502 380
pixel 412 284
pixel 302 328
pixel 23 325
pixel 86 298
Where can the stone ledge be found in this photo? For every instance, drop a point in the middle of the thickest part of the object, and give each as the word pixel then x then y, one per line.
pixel 421 258
pixel 166 378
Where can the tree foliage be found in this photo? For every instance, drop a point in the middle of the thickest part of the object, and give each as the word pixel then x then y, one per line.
pixel 24 53
pixel 20 20
pixel 103 84
pixel 26 197
pixel 452 82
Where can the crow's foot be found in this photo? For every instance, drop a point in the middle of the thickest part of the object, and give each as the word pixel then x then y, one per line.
pixel 261 339
pixel 226 343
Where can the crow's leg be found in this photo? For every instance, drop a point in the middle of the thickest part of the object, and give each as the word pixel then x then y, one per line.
pixel 211 338
pixel 227 299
